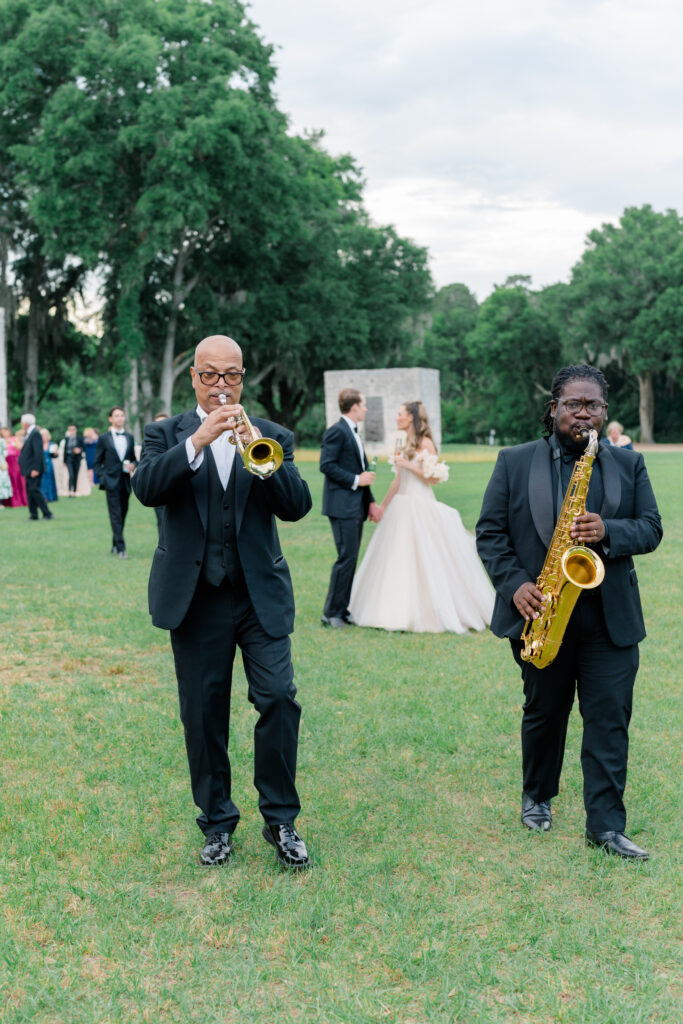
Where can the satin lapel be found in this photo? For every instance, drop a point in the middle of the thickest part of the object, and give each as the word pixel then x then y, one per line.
pixel 611 484
pixel 243 484
pixel 200 480
pixel 354 443
pixel 541 492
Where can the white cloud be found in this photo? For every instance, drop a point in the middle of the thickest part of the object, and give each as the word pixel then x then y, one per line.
pixel 495 133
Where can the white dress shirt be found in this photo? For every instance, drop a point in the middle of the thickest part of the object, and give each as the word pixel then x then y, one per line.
pixel 354 428
pixel 120 443
pixel 223 452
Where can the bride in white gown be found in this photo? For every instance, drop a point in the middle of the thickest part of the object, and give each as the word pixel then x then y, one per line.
pixel 421 572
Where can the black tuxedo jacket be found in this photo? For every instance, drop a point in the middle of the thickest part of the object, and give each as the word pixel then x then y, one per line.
pixel 518 518
pixel 108 465
pixel 31 455
pixel 341 463
pixel 80 443
pixel 164 478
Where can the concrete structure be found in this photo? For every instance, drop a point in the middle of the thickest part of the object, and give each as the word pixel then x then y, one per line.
pixel 385 391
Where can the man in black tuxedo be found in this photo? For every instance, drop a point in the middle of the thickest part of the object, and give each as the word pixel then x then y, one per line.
pixel 32 466
pixel 219 581
pixel 347 501
pixel 74 446
pixel 599 653
pixel 114 464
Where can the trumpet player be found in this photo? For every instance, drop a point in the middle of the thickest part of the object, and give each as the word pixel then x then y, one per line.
pixel 598 654
pixel 219 581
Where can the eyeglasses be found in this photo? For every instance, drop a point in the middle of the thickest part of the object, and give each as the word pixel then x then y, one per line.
pixel 210 377
pixel 575 405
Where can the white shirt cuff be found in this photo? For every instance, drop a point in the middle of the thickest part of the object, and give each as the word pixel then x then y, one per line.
pixel 194 458
pixel 354 486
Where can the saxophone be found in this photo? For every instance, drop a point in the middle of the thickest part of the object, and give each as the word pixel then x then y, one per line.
pixel 568 569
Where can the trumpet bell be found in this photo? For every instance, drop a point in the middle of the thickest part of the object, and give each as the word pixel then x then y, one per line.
pixel 262 457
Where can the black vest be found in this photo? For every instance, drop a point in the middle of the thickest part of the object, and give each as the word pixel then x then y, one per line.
pixel 220 554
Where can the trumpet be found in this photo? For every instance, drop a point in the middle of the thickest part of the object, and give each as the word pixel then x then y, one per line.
pixel 261 456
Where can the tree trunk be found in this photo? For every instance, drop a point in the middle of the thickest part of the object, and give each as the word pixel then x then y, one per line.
pixel 178 296
pixel 647 407
pixel 32 353
pixel 146 391
pixel 4 408
pixel 131 402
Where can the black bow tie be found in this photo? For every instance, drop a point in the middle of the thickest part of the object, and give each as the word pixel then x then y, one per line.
pixel 120 433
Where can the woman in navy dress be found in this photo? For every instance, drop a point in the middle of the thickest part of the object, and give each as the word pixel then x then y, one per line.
pixel 48 484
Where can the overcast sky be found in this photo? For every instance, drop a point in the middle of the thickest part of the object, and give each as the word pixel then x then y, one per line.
pixel 494 132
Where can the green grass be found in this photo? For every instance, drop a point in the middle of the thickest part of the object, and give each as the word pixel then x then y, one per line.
pixel 427 901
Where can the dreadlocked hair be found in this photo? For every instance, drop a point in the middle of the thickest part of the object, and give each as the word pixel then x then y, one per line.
pixel 421 428
pixel 562 377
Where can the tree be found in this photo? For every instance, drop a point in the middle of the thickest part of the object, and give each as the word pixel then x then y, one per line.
pixel 626 301
pixel 444 347
pixel 517 349
pixel 152 150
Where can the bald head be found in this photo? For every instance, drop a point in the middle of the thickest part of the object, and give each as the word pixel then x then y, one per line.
pixel 217 371
pixel 217 347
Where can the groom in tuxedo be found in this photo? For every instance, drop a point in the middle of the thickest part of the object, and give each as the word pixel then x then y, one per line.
pixel 347 501
pixel 114 463
pixel 598 657
pixel 219 581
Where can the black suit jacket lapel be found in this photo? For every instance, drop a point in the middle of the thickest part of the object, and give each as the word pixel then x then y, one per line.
pixel 185 427
pixel 611 484
pixel 541 492
pixel 243 484
pixel 353 436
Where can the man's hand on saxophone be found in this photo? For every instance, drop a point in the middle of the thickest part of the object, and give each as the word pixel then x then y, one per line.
pixel 528 600
pixel 588 529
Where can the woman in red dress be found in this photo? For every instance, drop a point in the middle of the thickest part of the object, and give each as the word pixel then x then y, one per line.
pixel 12 458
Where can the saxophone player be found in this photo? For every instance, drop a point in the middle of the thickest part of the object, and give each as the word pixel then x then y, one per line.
pixel 598 656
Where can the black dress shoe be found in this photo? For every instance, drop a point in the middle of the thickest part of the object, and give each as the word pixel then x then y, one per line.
pixel 333 621
pixel 617 843
pixel 289 846
pixel 50 515
pixel 349 620
pixel 217 849
pixel 33 519
pixel 536 815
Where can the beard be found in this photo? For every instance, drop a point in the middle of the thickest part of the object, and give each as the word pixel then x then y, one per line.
pixel 570 443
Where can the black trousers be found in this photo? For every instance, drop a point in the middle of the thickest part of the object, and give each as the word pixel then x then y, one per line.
pixel 73 463
pixel 219 620
pixel 603 676
pixel 117 504
pixel 347 535
pixel 35 497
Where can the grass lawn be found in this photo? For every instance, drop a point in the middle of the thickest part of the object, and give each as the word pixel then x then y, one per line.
pixel 427 901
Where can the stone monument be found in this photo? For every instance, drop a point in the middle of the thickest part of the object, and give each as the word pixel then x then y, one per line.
pixel 385 391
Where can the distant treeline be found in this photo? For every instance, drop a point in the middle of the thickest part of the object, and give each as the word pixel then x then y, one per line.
pixel 621 311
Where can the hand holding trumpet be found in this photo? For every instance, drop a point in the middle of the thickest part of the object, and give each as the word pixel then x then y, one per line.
pixel 217 422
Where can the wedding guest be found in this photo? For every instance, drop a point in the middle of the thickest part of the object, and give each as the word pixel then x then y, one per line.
pixel 5 482
pixel 115 462
pixel 617 437
pixel 32 466
pixel 90 436
pixel 347 500
pixel 13 448
pixel 73 453
pixel 421 572
pixel 48 484
pixel 598 656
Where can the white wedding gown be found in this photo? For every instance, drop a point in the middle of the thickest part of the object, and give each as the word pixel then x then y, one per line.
pixel 421 571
